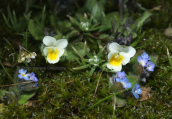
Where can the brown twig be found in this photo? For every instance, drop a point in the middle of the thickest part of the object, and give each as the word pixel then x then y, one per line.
pixel 97 84
pixel 14 84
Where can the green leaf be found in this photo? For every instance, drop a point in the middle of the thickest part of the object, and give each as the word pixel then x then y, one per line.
pixel 116 87
pixel 138 69
pixel 101 51
pixel 59 36
pixel 26 96
pixel 1 107
pixel 72 54
pixel 2 93
pixel 81 67
pixel 72 33
pixel 134 60
pixel 92 70
pixel 154 59
pixel 133 79
pixel 143 18
pixel 90 4
pixel 96 12
pixel 74 21
pixel 119 101
pixel 36 32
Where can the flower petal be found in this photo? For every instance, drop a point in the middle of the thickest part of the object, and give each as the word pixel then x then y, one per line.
pixel 45 50
pixel 111 54
pixel 130 51
pixel 115 68
pixel 53 61
pixel 126 58
pixel 115 46
pixel 49 41
pixel 62 43
pixel 20 76
pixel 61 51
pixel 26 78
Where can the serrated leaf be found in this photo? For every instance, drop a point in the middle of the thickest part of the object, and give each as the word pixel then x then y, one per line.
pixel 138 69
pixel 154 59
pixel 134 59
pixel 36 32
pixel 133 80
pixel 26 96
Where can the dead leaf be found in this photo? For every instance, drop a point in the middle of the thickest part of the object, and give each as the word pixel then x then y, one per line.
pixel 7 64
pixel 145 93
pixel 157 8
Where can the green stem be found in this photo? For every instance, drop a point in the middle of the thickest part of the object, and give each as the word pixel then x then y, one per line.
pixel 107 98
pixel 6 71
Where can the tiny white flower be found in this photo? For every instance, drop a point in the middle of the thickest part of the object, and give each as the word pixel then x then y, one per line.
pixel 33 55
pixel 22 59
pixel 54 49
pixel 96 60
pixel 22 54
pixel 119 56
pixel 28 60
pixel 28 56
pixel 95 64
pixel 95 56
pixel 90 60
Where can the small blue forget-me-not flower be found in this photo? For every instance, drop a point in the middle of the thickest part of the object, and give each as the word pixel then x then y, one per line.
pixel 136 90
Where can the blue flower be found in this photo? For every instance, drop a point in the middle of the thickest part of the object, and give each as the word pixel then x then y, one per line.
pixel 23 74
pixel 142 61
pixel 136 90
pixel 32 77
pixel 120 75
pixel 36 85
pixel 145 56
pixel 124 82
pixel 150 66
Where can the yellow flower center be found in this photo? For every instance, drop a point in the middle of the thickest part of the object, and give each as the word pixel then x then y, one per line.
pixel 53 54
pixel 23 75
pixel 116 59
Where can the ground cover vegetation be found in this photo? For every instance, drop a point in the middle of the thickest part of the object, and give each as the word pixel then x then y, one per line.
pixel 85 59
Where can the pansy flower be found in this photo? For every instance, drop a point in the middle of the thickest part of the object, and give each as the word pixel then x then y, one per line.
pixel 23 74
pixel 54 49
pixel 136 90
pixel 119 55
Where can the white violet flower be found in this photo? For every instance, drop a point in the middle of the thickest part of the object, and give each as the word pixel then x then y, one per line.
pixel 54 49
pixel 119 55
